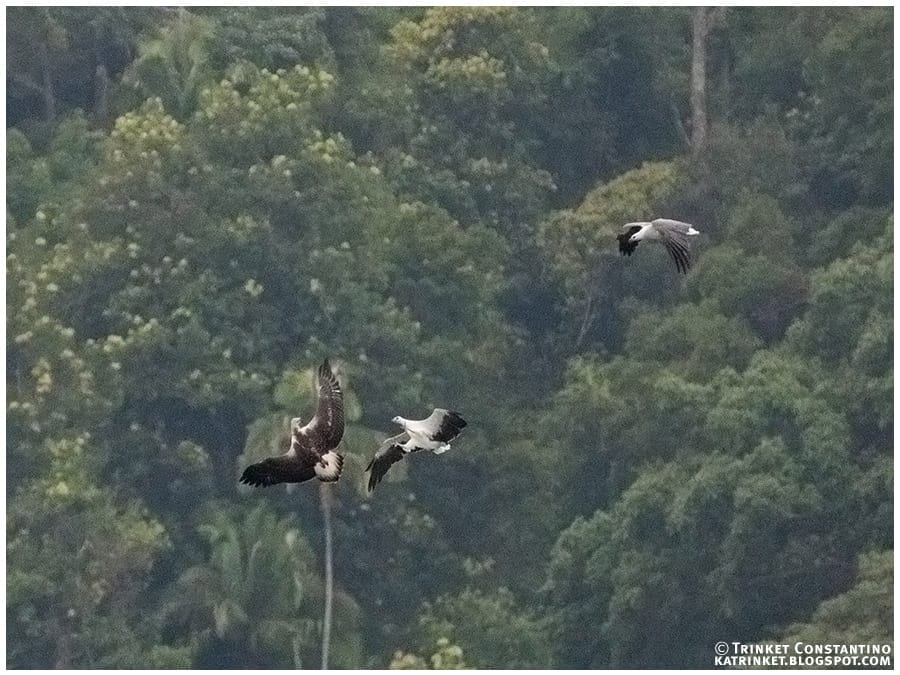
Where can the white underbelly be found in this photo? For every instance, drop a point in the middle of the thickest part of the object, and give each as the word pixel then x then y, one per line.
pixel 422 441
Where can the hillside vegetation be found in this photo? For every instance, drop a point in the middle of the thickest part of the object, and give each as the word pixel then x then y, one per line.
pixel 203 204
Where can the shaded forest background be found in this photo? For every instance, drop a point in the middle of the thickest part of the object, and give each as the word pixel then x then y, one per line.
pixel 203 204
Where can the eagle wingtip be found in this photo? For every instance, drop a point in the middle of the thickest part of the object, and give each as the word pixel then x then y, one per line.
pixel 458 419
pixel 255 476
pixel 326 373
pixel 251 481
pixel 374 480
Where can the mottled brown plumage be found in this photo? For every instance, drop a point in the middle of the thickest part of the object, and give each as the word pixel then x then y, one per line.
pixel 311 451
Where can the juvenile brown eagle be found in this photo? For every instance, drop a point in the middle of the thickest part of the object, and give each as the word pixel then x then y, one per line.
pixel 312 446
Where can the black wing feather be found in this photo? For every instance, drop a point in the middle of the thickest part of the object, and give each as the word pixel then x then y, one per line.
pixel 451 426
pixel 381 462
pixel 626 247
pixel 680 254
pixel 274 470
pixel 673 235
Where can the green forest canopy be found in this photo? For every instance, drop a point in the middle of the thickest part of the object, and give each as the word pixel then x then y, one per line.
pixel 202 204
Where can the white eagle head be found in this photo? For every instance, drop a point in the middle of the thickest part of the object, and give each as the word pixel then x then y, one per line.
pixel 397 420
pixel 296 424
pixel 639 234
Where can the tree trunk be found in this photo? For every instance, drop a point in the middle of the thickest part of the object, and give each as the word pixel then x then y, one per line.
pixel 587 320
pixel 101 82
pixel 325 503
pixel 702 19
pixel 47 84
pixel 101 97
pixel 679 125
pixel 63 652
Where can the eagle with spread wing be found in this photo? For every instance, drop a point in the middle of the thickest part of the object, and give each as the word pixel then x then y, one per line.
pixel 433 433
pixel 312 446
pixel 673 234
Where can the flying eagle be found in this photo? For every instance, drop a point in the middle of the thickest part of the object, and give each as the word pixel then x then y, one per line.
pixel 673 234
pixel 312 446
pixel 433 433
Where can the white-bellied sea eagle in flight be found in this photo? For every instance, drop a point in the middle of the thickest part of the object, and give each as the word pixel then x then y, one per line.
pixel 673 234
pixel 433 433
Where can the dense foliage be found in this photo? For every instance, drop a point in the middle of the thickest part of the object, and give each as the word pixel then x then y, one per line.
pixel 201 205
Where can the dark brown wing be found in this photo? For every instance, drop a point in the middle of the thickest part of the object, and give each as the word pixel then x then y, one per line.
pixel 325 429
pixel 389 453
pixel 274 470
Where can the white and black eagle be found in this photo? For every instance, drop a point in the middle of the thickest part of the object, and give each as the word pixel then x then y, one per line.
pixel 312 446
pixel 673 234
pixel 433 433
